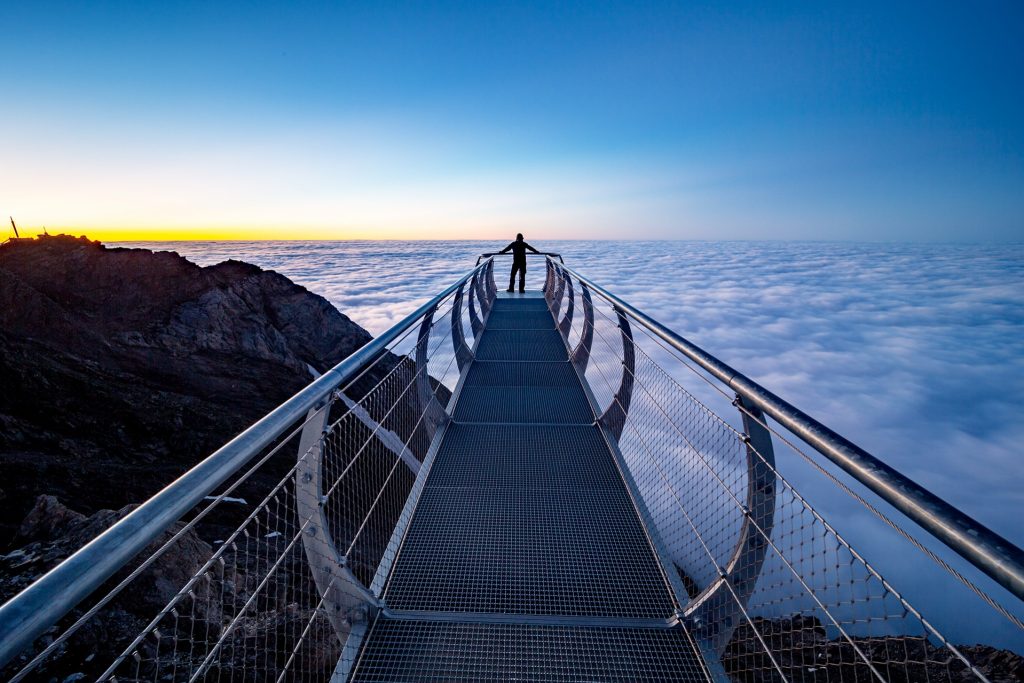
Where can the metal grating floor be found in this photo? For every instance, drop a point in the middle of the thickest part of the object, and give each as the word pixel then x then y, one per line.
pixel 535 303
pixel 524 522
pixel 524 456
pixel 513 319
pixel 539 550
pixel 434 651
pixel 557 405
pixel 537 374
pixel 522 345
pixel 531 392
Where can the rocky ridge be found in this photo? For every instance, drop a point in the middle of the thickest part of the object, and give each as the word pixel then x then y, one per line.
pixel 121 368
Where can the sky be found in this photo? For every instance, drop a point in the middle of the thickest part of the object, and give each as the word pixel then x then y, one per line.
pixel 730 120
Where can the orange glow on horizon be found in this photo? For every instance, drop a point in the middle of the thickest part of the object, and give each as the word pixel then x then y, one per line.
pixel 252 233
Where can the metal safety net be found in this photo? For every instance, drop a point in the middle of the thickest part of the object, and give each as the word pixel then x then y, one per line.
pixel 767 587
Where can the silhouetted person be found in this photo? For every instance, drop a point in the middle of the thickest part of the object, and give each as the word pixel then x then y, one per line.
pixel 518 248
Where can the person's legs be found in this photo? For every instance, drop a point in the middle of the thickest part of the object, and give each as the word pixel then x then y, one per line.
pixel 522 278
pixel 512 278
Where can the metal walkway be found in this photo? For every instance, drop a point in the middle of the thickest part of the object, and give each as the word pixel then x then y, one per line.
pixel 542 487
pixel 526 558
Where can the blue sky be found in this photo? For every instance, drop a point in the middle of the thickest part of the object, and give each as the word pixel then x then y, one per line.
pixel 568 120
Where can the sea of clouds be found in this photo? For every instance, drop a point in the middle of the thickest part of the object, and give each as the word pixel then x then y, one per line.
pixel 913 351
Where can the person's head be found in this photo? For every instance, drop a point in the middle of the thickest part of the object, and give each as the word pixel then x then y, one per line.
pixel 519 237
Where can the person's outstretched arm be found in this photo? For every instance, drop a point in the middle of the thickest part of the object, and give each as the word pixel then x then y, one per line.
pixel 529 247
pixel 505 250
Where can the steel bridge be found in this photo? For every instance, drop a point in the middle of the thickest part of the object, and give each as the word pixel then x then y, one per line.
pixel 546 486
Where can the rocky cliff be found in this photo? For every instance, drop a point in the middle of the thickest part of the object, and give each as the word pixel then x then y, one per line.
pixel 121 368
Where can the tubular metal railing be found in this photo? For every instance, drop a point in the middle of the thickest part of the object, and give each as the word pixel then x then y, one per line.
pixel 260 564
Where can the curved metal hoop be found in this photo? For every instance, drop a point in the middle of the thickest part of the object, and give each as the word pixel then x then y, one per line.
pixel 556 301
pixel 434 414
pixel 716 612
pixel 492 289
pixel 566 323
pixel 463 354
pixel 481 295
pixel 614 416
pixel 474 319
pixel 581 354
pixel 346 601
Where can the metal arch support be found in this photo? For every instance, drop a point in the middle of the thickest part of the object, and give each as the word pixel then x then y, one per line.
pixel 614 416
pixel 434 414
pixel 714 614
pixel 556 302
pixel 492 289
pixel 474 319
pixel 566 323
pixel 463 354
pixel 581 354
pixel 347 602
pixel 481 295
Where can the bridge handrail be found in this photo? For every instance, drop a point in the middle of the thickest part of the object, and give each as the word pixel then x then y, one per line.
pixel 28 615
pixel 994 555
pixel 490 254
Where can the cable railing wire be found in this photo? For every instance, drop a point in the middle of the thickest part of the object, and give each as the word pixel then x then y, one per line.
pixel 834 480
pixel 598 370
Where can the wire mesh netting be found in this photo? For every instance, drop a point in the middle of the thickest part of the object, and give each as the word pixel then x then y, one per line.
pixel 772 590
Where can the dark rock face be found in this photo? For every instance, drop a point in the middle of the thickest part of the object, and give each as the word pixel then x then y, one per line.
pixel 121 368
